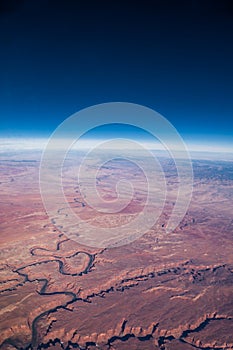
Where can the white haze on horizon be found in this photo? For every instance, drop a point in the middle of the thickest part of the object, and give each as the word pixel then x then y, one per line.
pixel 208 150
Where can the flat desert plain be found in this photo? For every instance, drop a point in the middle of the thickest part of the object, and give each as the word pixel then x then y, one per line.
pixel 167 291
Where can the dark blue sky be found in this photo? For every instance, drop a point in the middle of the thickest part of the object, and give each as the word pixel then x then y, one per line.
pixel 175 56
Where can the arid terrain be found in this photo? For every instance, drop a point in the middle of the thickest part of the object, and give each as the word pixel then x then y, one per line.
pixel 162 291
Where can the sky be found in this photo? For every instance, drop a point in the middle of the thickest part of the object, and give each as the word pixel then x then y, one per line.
pixel 174 56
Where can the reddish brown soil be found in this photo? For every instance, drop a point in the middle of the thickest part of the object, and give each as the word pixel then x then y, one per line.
pixel 163 291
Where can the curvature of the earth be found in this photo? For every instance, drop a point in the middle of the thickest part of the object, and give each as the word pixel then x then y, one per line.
pixel 170 292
